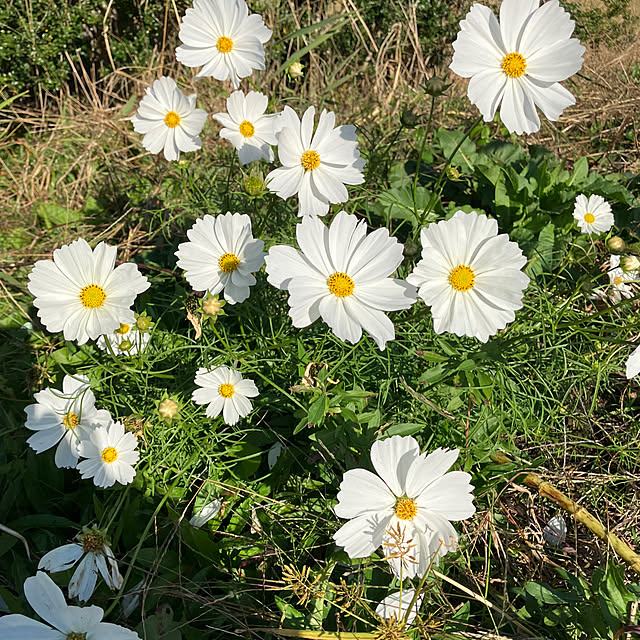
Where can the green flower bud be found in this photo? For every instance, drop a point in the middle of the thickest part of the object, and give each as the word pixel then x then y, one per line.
pixel 616 244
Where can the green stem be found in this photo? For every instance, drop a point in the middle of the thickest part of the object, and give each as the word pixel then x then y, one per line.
pixel 437 190
pixel 425 132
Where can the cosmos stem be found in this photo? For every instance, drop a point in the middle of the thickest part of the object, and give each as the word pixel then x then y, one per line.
pixel 437 189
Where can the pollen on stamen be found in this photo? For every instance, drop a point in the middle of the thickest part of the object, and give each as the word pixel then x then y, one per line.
pixel 462 278
pixel 92 296
pixel 70 420
pixel 226 390
pixel 340 284
pixel 514 65
pixel 228 262
pixel 109 455
pixel 224 44
pixel 406 509
pixel 310 160
pixel 247 129
pixel 172 119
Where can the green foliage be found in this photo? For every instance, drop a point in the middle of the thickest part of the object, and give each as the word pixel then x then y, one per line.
pixel 37 36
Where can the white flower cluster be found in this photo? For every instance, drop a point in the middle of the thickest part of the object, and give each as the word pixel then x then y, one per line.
pixel 68 418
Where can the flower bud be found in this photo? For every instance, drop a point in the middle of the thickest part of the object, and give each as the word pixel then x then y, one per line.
pixel 143 322
pixel 295 70
pixel 408 119
pixel 616 244
pixel 411 249
pixel 168 409
pixel 436 86
pixel 630 264
pixel 453 173
pixel 212 306
pixel 125 345
pixel 254 185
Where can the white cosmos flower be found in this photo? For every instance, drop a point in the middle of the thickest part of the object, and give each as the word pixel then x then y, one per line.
pixel 224 391
pixel 469 275
pixel 397 604
pixel 341 274
pixel 110 454
pixel 593 215
pixel 223 38
pixel 619 280
pixel 126 340
pixel 80 292
pixel 169 120
pixel 633 363
pixel 247 127
pixel 412 498
pixel 221 255
pixel 98 557
pixel 64 417
pixel 317 165
pixel 518 63
pixel 67 623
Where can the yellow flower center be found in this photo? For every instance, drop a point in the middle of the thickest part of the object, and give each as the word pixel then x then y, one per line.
pixel 226 390
pixel 229 262
pixel 617 280
pixel 310 160
pixel 514 65
pixel 92 296
pixel 589 217
pixel 406 509
pixel 340 284
pixel 224 44
pixel 172 119
pixel 124 329
pixel 109 455
pixel 76 636
pixel 462 278
pixel 247 129
pixel 70 420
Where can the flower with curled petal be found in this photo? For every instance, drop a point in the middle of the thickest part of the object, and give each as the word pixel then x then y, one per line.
pixel 518 63
pixel 412 493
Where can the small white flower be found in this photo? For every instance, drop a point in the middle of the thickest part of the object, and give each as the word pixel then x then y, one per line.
pixel 397 604
pixel 64 417
pixel 110 454
pixel 555 531
pixel 169 120
pixel 80 292
pixel 518 64
pixel 317 165
pixel 633 363
pixel 210 510
pixel 412 495
pixel 247 127
pixel 619 286
pixel 98 557
pixel 469 275
pixel 341 274
pixel 69 623
pixel 223 38
pixel 224 391
pixel 125 341
pixel 221 255
pixel 593 215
